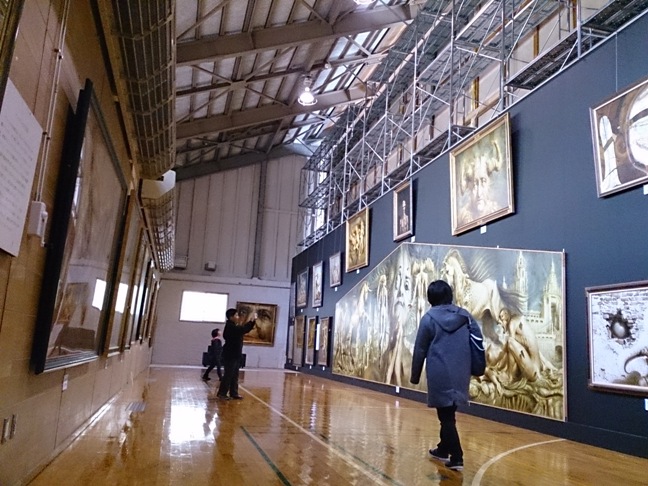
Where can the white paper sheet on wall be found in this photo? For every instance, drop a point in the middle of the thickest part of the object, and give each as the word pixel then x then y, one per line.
pixel 20 138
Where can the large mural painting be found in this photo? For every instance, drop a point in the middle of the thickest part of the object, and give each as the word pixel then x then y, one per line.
pixel 517 296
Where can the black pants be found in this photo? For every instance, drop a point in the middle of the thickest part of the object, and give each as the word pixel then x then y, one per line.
pixel 229 383
pixel 216 363
pixel 449 442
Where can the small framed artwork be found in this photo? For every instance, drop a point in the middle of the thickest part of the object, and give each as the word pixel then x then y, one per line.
pixel 266 322
pixel 302 288
pixel 311 328
pixel 335 269
pixel 290 351
pixel 481 177
pixel 357 241
pixel 620 140
pixel 618 337
pixel 317 284
pixel 299 341
pixel 403 212
pixel 323 348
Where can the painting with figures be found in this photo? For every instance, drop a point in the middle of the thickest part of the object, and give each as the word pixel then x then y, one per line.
pixel 517 297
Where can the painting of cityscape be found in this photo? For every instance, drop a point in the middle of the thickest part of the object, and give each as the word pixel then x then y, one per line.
pixel 517 296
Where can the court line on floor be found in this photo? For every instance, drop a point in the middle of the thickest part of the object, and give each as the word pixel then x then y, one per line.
pixel 482 470
pixel 272 465
pixel 345 457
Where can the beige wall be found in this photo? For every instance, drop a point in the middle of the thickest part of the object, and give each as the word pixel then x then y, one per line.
pixel 46 416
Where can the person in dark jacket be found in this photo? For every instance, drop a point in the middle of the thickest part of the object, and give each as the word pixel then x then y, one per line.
pixel 442 341
pixel 232 353
pixel 215 352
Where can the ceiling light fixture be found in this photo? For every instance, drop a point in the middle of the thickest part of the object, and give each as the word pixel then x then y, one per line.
pixel 306 98
pixel 364 2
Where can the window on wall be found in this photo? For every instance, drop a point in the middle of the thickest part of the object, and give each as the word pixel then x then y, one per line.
pixel 203 306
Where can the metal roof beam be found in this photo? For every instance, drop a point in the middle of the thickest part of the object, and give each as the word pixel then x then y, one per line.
pixel 245 43
pixel 266 114
pixel 206 168
pixel 360 59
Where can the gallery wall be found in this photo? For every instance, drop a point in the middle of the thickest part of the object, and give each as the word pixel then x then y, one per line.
pixel 557 209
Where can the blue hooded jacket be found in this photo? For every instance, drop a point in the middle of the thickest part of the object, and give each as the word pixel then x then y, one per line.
pixel 442 342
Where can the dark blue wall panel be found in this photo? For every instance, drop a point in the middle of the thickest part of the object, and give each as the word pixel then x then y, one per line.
pixel 557 208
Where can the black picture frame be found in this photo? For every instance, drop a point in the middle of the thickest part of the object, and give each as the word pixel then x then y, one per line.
pixel 8 28
pixel 84 243
pixel 403 210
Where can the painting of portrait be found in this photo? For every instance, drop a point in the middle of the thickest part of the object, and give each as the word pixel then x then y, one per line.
pixel 620 140
pixel 263 332
pixel 311 334
pixel 302 289
pixel 323 348
pixel 335 269
pixel 317 284
pixel 618 338
pixel 403 212
pixel 298 353
pixel 516 296
pixel 357 241
pixel 481 177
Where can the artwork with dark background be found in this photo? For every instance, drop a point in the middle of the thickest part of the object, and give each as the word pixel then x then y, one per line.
pixel 403 212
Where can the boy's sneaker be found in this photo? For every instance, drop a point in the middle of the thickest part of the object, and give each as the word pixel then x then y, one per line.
pixel 455 464
pixel 435 454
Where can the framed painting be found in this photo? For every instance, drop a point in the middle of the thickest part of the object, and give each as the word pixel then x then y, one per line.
pixel 335 270
pixel 311 333
pixel 357 241
pixel 132 311
pixel 10 12
pixel 517 297
pixel 117 323
pixel 266 322
pixel 290 348
pixel 403 212
pixel 298 354
pixel 302 289
pixel 620 140
pixel 317 284
pixel 323 341
pixel 481 177
pixel 618 337
pixel 80 274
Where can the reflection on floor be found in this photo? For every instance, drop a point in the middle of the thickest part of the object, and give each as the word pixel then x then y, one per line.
pixel 293 429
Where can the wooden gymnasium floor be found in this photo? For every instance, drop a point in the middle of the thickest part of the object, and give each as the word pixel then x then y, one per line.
pixel 293 429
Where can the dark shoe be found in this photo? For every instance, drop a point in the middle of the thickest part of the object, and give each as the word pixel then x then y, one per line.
pixel 455 464
pixel 237 397
pixel 206 378
pixel 223 397
pixel 435 454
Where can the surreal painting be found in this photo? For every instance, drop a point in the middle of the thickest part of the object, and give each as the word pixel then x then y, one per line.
pixel 481 177
pixel 620 140
pixel 618 337
pixel 266 322
pixel 357 241
pixel 517 296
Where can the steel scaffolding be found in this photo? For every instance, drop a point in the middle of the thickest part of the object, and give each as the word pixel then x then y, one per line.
pixel 426 93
